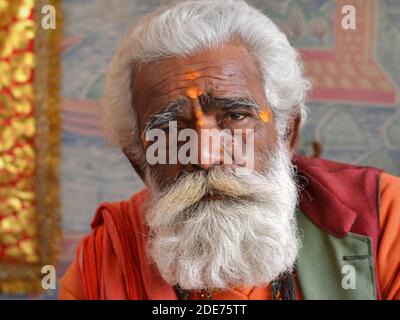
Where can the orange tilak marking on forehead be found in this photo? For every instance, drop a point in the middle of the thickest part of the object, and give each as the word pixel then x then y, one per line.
pixel 200 123
pixel 193 92
pixel 265 115
pixel 199 116
pixel 143 138
pixel 192 75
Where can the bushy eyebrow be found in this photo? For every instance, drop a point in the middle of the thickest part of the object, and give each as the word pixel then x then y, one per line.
pixel 177 107
pixel 168 113
pixel 209 102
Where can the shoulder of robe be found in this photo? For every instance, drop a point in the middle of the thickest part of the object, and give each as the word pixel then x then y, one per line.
pixel 131 207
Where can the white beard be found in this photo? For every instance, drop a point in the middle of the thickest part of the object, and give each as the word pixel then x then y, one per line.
pixel 246 237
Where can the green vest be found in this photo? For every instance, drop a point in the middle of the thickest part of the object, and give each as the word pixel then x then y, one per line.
pixel 333 268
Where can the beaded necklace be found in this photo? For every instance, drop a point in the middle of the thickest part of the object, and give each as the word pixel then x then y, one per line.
pixel 282 289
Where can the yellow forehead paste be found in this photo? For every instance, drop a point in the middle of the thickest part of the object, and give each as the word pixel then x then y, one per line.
pixel 199 116
pixel 193 92
pixel 143 138
pixel 265 115
pixel 192 76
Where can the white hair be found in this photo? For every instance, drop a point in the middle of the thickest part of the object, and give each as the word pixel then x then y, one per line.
pixel 247 238
pixel 184 28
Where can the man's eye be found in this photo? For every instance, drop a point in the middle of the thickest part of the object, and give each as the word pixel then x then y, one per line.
pixel 237 116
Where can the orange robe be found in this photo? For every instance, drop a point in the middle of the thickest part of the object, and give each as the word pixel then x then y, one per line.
pixel 115 283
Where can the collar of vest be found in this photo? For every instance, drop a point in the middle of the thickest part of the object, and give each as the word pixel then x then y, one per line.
pixel 333 194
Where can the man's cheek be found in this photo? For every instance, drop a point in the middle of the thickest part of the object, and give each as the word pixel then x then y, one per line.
pixel 164 174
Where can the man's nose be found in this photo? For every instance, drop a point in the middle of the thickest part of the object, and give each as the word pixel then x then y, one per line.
pixel 211 140
pixel 209 154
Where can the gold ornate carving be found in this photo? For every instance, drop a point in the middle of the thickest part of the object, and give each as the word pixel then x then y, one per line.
pixel 29 144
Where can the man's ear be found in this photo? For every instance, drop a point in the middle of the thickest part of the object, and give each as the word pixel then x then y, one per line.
pixel 293 134
pixel 138 168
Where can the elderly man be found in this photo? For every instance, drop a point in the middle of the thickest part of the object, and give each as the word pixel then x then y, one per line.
pixel 266 224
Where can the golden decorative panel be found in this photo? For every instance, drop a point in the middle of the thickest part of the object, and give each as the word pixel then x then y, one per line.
pixel 29 144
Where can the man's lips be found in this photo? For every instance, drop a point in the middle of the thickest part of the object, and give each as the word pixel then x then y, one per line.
pixel 215 197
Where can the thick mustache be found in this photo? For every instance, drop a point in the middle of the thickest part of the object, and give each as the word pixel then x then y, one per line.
pixel 215 183
pixel 220 181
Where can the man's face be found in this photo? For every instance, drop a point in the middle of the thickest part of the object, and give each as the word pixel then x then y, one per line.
pixel 217 88
pixel 215 225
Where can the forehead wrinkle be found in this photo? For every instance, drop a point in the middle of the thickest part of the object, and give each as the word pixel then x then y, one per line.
pixel 186 82
pixel 168 93
pixel 237 87
pixel 164 77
